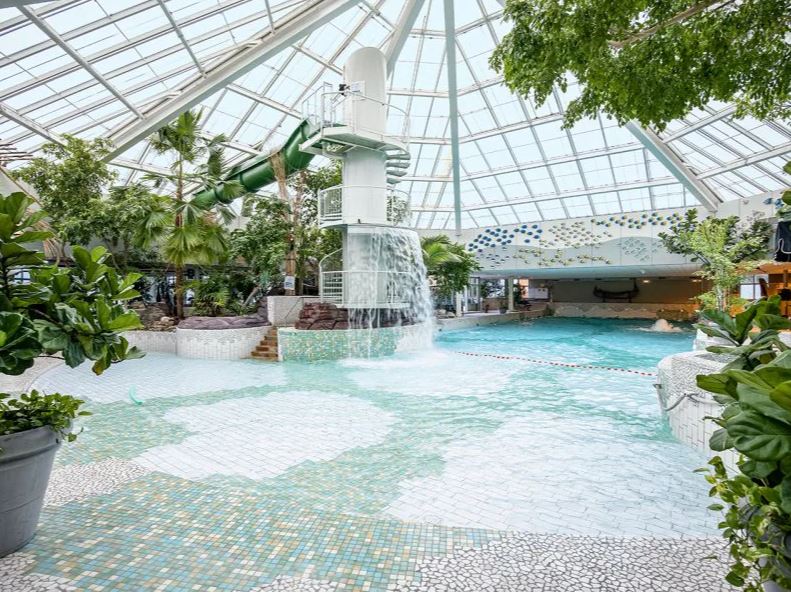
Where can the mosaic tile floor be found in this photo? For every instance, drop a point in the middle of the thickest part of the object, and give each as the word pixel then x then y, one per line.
pixel 425 473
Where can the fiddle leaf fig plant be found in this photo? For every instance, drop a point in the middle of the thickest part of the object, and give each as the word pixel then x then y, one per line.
pixel 74 313
pixel 754 389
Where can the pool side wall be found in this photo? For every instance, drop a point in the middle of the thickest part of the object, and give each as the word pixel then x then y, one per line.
pixel 477 320
pixel 676 378
pixel 619 310
pixel 217 344
pixel 311 346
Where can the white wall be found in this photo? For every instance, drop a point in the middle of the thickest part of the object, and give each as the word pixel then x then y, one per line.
pixel 218 344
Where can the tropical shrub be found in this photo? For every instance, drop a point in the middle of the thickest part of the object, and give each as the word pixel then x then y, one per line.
pixel 35 410
pixel 448 263
pixel 726 249
pixel 754 389
pixel 70 180
pixel 76 314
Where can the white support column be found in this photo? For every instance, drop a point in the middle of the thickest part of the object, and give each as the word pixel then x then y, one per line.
pixel 453 110
pixel 509 287
pixel 459 304
pixel 677 167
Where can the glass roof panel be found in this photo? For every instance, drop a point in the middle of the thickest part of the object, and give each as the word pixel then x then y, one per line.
pixel 517 162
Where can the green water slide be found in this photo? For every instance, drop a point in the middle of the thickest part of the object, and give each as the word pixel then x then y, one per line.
pixel 257 172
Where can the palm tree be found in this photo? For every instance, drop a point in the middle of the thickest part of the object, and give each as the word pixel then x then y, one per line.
pixel 437 251
pixel 186 232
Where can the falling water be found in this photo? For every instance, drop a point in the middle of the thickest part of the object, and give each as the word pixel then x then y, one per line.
pixel 663 326
pixel 387 285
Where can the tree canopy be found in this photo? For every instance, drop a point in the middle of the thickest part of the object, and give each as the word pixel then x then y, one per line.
pixel 70 180
pixel 650 60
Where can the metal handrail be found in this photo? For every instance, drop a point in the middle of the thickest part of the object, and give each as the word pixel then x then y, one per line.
pixel 332 287
pixel 333 197
pixel 328 112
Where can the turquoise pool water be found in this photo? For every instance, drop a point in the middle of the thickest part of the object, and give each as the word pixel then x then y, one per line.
pixel 195 474
pixel 433 437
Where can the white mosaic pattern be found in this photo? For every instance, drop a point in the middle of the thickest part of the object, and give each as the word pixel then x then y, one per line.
pixel 75 482
pixel 260 437
pixel 677 379
pixel 14 576
pixel 516 478
pixel 418 375
pixel 529 563
pixel 301 584
pixel 159 375
pixel 218 344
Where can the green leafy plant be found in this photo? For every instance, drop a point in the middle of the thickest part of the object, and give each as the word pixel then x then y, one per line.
pixel 754 389
pixel 69 179
pixel 726 249
pixel 35 410
pixel 75 313
pixel 448 263
pixel 279 228
pixel 649 60
pixel 184 231
pixel 212 295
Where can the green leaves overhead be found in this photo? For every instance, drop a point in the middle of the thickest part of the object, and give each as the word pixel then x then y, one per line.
pixel 649 60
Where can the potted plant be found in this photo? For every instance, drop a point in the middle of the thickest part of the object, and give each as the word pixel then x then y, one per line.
pixel 754 389
pixel 70 313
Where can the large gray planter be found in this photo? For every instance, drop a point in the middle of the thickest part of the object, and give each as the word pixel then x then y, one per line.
pixel 25 465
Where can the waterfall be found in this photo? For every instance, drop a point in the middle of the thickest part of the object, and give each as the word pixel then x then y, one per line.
pixel 386 284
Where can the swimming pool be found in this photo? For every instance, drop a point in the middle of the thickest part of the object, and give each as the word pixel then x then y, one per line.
pixel 403 457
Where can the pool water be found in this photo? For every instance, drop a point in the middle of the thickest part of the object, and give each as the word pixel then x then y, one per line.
pixel 434 437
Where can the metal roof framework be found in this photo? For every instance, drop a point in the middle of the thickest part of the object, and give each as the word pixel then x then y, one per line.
pixel 120 68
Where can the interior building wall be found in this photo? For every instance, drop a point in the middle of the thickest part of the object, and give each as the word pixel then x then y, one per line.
pixel 655 291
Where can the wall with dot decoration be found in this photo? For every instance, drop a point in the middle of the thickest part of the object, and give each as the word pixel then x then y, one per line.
pixel 626 243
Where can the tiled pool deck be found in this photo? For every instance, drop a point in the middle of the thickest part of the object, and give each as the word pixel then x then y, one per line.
pixel 177 485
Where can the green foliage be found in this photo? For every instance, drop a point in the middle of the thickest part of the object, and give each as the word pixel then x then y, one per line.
pixel 448 263
pixel 35 410
pixel 183 231
pixel 76 312
pixel 273 224
pixel 222 292
pixel 650 60
pixel 211 295
pixel 726 250
pixel 784 211
pixel 755 392
pixel 70 180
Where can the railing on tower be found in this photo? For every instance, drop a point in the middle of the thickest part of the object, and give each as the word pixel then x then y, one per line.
pixel 328 108
pixel 331 204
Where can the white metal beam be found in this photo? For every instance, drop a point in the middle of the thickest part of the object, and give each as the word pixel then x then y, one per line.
pixel 180 34
pixel 453 109
pixel 677 167
pixel 18 3
pixel 295 25
pixel 781 150
pixel 406 20
pixel 52 34
pixel 551 196
pixel 28 123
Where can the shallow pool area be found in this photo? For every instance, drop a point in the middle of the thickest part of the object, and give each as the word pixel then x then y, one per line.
pixel 383 474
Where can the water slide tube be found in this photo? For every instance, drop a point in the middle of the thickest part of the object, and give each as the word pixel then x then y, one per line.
pixel 257 172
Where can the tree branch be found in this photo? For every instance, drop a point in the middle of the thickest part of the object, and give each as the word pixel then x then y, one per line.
pixel 680 17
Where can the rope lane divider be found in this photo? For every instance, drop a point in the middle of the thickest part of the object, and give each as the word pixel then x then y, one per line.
pixel 561 364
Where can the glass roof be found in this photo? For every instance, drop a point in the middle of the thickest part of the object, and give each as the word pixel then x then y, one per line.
pixel 95 67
